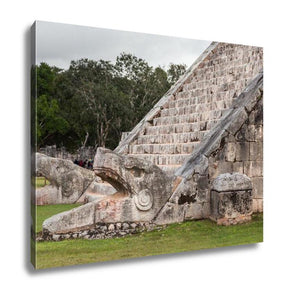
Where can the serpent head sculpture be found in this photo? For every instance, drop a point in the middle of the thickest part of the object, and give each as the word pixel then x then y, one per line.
pixel 143 188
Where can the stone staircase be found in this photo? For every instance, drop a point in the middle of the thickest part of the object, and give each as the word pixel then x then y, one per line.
pixel 197 103
pixel 172 136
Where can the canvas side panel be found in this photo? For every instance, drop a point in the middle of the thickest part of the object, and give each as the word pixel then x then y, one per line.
pixel 33 142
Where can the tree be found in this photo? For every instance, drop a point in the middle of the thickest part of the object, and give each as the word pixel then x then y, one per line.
pixel 93 102
pixel 50 125
pixel 45 76
pixel 48 122
pixel 175 71
pixel 143 84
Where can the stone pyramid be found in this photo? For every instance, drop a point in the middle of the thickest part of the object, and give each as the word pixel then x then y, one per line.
pixel 170 132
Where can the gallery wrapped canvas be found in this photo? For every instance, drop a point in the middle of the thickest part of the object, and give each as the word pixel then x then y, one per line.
pixel 142 144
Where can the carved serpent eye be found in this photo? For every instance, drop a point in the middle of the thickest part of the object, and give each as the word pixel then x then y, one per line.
pixel 143 200
pixel 137 172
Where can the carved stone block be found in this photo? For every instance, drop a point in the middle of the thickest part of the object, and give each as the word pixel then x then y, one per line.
pixel 231 199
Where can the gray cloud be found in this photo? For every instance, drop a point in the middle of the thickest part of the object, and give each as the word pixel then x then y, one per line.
pixel 58 44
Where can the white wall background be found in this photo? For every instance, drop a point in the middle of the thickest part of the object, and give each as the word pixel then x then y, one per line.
pixel 247 272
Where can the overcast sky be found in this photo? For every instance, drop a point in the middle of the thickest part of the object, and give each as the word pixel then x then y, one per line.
pixel 57 44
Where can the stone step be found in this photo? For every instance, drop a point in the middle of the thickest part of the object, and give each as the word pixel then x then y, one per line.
pixel 167 159
pixel 209 110
pixel 182 102
pixel 173 138
pixel 198 104
pixel 174 148
pixel 191 118
pixel 175 120
pixel 222 91
pixel 185 110
pixel 180 128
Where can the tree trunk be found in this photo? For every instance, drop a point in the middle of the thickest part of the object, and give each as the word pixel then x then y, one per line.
pixel 86 138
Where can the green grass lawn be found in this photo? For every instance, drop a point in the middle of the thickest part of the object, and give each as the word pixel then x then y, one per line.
pixel 192 235
pixel 40 182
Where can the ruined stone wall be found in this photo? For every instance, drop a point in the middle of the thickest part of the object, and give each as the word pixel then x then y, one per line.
pixel 82 153
pixel 101 231
pixel 203 96
pixel 243 153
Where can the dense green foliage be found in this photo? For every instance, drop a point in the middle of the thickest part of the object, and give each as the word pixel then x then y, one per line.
pixel 93 102
pixel 192 235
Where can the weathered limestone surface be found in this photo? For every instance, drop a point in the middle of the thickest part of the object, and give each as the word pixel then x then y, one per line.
pixel 69 182
pixel 231 182
pixel 231 199
pixel 78 218
pixel 69 179
pixel 48 194
pixel 171 213
pixel 142 187
pixel 229 208
pixel 96 191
